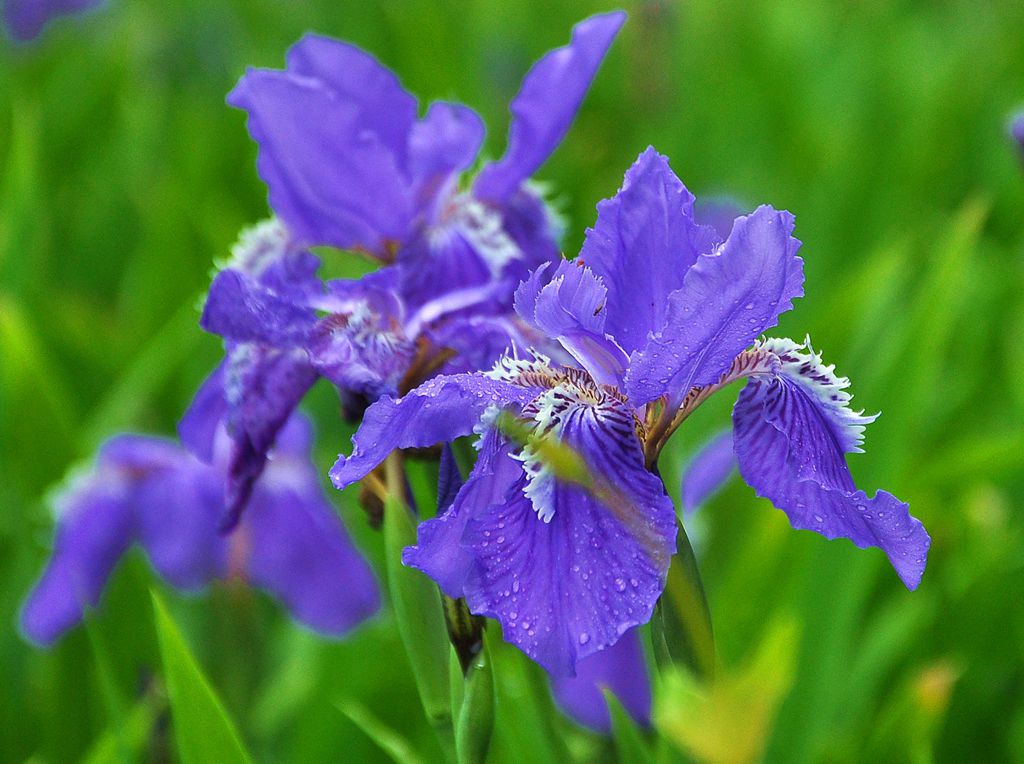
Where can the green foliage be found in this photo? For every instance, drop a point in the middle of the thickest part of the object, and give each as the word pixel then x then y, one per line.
pixel 123 176
pixel 202 727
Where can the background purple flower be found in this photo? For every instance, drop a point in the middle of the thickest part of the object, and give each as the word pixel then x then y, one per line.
pixel 25 19
pixel 149 491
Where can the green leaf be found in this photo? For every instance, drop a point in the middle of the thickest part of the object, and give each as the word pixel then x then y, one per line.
pixel 417 604
pixel 681 626
pixel 202 727
pixel 630 745
pixel 476 717
pixel 126 740
pixel 391 742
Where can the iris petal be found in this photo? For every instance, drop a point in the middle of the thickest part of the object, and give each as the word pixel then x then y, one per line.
pixel 643 243
pixel 620 668
pixel 728 298
pixel 440 410
pixel 790 444
pixel 546 104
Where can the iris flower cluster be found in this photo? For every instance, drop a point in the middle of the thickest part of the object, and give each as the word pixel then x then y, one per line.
pixel 571 374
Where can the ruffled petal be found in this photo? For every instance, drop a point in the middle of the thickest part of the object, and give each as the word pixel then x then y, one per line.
pixel 329 179
pixel 546 105
pixel 708 470
pixel 566 569
pixel 440 410
pixel 353 76
pixel 535 228
pixel 792 429
pixel 620 668
pixel 296 548
pixel 728 298
pixel 643 243
pixel 96 524
pixel 569 305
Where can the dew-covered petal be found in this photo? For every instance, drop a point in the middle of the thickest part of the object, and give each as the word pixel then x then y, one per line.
pixel 330 179
pixel 728 298
pixel 546 105
pixel 643 243
pixel 353 76
pixel 568 304
pixel 440 410
pixel 240 309
pixel 95 525
pixel 710 467
pixel 620 668
pixel 294 546
pixel 439 551
pixel 567 587
pixel 262 386
pixel 790 451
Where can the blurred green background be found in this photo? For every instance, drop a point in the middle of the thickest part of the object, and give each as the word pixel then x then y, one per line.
pixel 880 124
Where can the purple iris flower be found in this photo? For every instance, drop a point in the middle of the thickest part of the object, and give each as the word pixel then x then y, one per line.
pixel 148 490
pixel 348 163
pixel 658 313
pixel 26 19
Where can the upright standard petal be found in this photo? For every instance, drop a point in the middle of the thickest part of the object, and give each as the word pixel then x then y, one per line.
pixel 728 298
pixel 792 429
pixel 353 76
pixel 444 142
pixel 438 411
pixel 546 105
pixel 643 243
pixel 620 668
pixel 94 528
pixel 566 567
pixel 329 179
pixel 568 305
pixel 708 470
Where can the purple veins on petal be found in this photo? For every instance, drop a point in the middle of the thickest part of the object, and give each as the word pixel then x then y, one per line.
pixel 620 668
pixel 546 105
pixel 728 298
pixel 708 470
pixel 792 429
